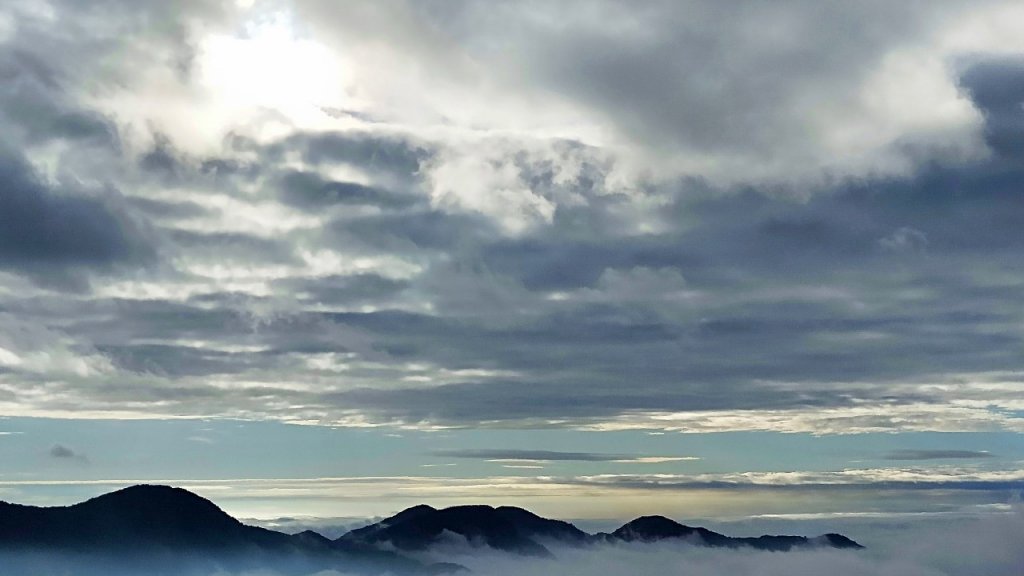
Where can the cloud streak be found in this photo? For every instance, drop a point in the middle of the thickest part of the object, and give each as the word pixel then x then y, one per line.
pixel 490 487
pixel 938 455
pixel 505 455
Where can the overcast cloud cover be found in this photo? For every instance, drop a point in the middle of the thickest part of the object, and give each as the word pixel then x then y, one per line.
pixel 609 216
pixel 591 214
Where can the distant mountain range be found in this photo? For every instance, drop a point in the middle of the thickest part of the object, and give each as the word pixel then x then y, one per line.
pixel 522 532
pixel 161 530
pixel 170 531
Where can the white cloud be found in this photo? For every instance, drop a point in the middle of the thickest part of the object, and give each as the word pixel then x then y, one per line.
pixel 28 347
pixel 871 90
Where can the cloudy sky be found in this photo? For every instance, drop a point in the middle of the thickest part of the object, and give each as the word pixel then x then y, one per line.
pixel 597 258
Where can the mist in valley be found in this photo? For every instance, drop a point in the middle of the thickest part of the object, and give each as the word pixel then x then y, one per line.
pixel 991 545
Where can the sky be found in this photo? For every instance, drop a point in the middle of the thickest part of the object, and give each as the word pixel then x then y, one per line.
pixel 320 259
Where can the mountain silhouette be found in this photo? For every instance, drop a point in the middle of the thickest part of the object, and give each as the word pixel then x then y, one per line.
pixel 656 528
pixel 653 528
pixel 178 527
pixel 139 516
pixel 516 530
pixel 165 530
pixel 505 528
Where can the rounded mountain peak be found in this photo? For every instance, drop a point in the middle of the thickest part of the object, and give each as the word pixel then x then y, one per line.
pixel 652 528
pixel 158 511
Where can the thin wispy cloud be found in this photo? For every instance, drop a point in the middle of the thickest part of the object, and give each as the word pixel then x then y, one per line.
pixel 505 455
pixel 938 454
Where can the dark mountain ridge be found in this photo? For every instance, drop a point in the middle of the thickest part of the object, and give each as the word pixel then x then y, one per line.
pixel 504 528
pixel 656 528
pixel 139 516
pixel 183 530
pixel 517 530
pixel 144 522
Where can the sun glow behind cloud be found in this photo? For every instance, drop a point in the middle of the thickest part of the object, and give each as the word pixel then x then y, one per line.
pixel 271 65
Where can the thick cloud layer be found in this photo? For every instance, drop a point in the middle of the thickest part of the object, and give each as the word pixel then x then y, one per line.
pixel 778 91
pixel 596 216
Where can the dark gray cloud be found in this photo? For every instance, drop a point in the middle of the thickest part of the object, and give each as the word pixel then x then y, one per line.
pixel 378 155
pixel 62 210
pixel 312 192
pixel 162 159
pixel 62 452
pixel 997 87
pixel 938 455
pixel 414 231
pixel 343 290
pixel 555 399
pixel 34 103
pixel 42 229
pixel 178 361
pixel 59 451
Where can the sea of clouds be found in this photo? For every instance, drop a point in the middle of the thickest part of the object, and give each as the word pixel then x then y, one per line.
pixel 990 545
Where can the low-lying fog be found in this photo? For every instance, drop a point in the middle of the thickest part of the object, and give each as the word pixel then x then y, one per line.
pixel 992 545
